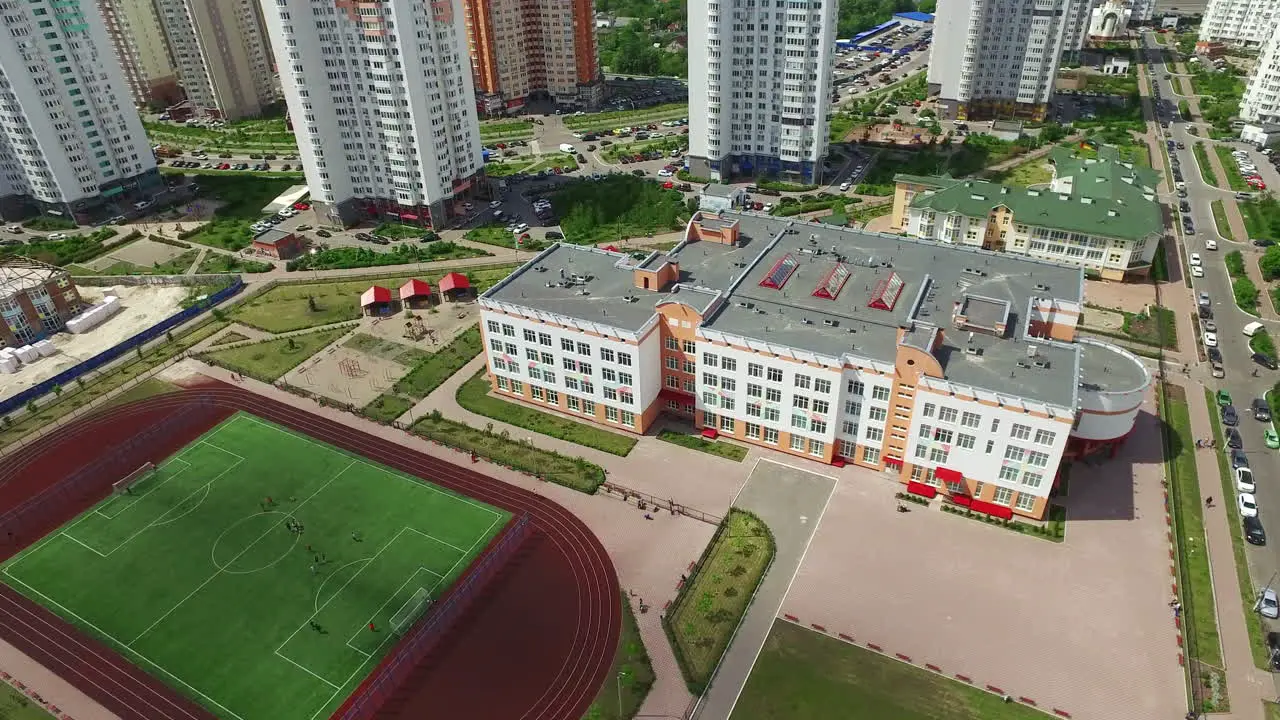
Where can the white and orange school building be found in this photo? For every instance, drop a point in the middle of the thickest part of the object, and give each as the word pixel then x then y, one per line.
pixel 957 369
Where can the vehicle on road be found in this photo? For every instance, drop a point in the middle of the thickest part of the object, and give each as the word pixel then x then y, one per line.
pixel 1210 244
pixel 1247 504
pixel 1194 259
pixel 1255 533
pixel 1203 299
pixel 844 187
pixel 1233 438
pixel 1264 360
pixel 1271 438
pixel 1252 328
pixel 1261 410
pixel 1229 416
pixel 1239 459
pixel 1197 271
pixel 1269 603
pixel 1244 481
pixel 1210 339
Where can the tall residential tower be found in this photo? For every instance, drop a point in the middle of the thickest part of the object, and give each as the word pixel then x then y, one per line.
pixel 760 87
pixel 382 104
pixel 1001 56
pixel 142 51
pixel 1246 23
pixel 521 49
pixel 71 143
pixel 222 55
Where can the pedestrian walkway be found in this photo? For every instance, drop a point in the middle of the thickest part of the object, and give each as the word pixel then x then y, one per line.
pixel 1247 686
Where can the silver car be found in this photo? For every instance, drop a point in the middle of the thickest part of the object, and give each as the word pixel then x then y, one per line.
pixel 1269 604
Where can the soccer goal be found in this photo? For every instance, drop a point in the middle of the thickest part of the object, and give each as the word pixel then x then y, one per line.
pixel 127 485
pixel 409 613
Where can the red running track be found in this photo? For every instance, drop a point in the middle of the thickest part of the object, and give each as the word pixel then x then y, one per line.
pixel 536 645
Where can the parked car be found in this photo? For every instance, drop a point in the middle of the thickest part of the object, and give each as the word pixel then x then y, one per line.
pixel 1273 645
pixel 1210 339
pixel 324 233
pixel 1269 603
pixel 1265 361
pixel 1244 481
pixel 1229 416
pixel 1261 410
pixel 1238 459
pixel 1233 438
pixel 1247 504
pixel 1255 534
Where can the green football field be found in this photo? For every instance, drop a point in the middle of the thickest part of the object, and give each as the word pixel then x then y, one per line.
pixel 197 579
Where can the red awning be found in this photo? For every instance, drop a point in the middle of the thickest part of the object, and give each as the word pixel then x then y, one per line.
pixel 1000 511
pixel 408 216
pixel 710 433
pixel 454 281
pixel 611 248
pixel 414 288
pixel 675 396
pixel 961 500
pixel 916 488
pixel 948 475
pixel 895 462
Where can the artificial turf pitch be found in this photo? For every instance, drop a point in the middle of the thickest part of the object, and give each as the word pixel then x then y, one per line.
pixel 197 580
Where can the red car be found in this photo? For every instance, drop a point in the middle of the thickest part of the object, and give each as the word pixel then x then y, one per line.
pixel 301 206
pixel 668 185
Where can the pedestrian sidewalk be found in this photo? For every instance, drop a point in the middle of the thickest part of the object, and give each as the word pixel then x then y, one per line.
pixel 1247 686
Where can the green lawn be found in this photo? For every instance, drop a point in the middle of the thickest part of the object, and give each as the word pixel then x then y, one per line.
pixel 1262 217
pixel 1196 584
pixel 295 306
pixel 16 706
pixel 268 361
pixel 474 396
pixel 406 355
pixel 195 578
pixel 217 263
pixel 1234 178
pixel 177 265
pixel 243 199
pixel 1206 170
pixel 1220 219
pixel 1032 172
pixel 399 231
pixel 805 675
pixel 616 207
pixel 1159 328
pixel 705 614
pixel 630 678
pixel 498 234
pixel 338 258
pixel 428 372
pixel 710 447
pixel 626 118
pixel 1252 620
pixel 143 390
pixel 502 129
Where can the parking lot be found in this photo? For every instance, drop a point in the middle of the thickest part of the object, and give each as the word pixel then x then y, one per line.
pixel 858 72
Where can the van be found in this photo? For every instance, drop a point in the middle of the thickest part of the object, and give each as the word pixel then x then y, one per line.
pixel 1252 328
pixel 566 148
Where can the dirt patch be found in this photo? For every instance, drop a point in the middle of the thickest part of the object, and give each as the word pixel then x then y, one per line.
pixel 144 252
pixel 1130 297
pixel 144 306
pixel 438 328
pixel 1103 319
pixel 346 375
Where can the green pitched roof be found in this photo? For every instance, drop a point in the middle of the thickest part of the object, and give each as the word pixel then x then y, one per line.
pixel 1105 198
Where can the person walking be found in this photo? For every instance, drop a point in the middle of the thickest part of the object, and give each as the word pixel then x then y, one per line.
pixel 1208 502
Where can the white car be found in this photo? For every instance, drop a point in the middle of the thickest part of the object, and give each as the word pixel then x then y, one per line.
pixel 1210 339
pixel 519 228
pixel 1247 504
pixel 58 236
pixel 665 173
pixel 1269 604
pixel 1197 271
pixel 844 187
pixel 1194 260
pixel 495 204
pixel 1210 244
pixel 1244 480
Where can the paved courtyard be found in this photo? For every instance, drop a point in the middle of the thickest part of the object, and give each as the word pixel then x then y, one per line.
pixel 1082 625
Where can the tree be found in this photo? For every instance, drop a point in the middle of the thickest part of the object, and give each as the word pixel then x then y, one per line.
pixel 1270 263
pixel 57 391
pixel 311 304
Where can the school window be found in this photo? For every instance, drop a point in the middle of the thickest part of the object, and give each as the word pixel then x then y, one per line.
pixel 610 413
pixel 938 455
pixel 624 359
pixel 502 383
pixel 991 445
pixel 822 407
pixel 530 336
pixel 930 409
pixel 726 423
pixel 800 422
pixel 970 420
pixel 856 387
pixel 846 448
pixel 628 417
pixel 689 386
pixel 1003 496
pixel 548 359
pixel 531 354
pixel 1032 480
pixel 710 380
pixel 1014 453
pixel 818 427
pixel 753 410
pixel 871 456
pixel 589 407
pixel 608 375
pixel 995 424
pixel 584 368
pixel 978 488
pixel 493 326
pixel 544 339
pixel 571 383
pixel 1038 459
pixel 726 403
pixel 535 373
pixel 672 364
pixel 773 395
pixel 572 403
pixel 606 354
pixel 754 390
pixel 1045 437
pixel 852 407
pixel 875 434
pixel 849 427
pixel 800 402
pixel 496 345
pixel 926 432
pixel 965 441
pixel 610 393
pixel 728 364
pixel 922 451
pixel 772 414
pixel 877 414
pixel 817 447
pixel 569 364
pixel 1008 473
pixel 775 375
pixel 753 431
pixel 1021 432
pixel 946 414
pixel 710 360
pixel 584 349
pixel 708 419
pixel 688 367
pixel 728 384
pixel 517 387
pixel 771 436
pixel 689 347
pixel 755 369
pixel 508 330
pixel 536 392
pixel 709 398
pixel 566 345
pixel 553 397
pixel 804 382
pixel 822 386
pixel 672 344
pixel 797 443
pixel 1026 502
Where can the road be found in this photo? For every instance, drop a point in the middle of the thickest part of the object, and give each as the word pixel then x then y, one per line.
pixel 1264 562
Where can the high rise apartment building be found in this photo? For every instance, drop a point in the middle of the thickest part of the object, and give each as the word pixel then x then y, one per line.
pixel 760 87
pixel 956 371
pixel 1001 57
pixel 222 55
pixel 1261 102
pixel 522 49
pixel 381 101
pixel 1245 23
pixel 71 142
pixel 142 51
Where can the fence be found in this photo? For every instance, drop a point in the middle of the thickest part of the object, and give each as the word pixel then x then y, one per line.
pixel 658 503
pixel 70 374
pixel 110 280
pixel 50 505
pixel 392 673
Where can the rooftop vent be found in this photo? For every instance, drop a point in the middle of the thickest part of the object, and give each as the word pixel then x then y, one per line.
pixel 829 287
pixel 885 294
pixel 975 271
pixel 830 323
pixel 1042 364
pixel 1112 213
pixel 1042 287
pixel 971 350
pixel 1086 200
pixel 745 305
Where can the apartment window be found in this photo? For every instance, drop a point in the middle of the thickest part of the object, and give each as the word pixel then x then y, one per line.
pixel 1026 502
pixel 755 370
pixel 946 414
pixel 771 436
pixel 1045 437
pixel 852 407
pixel 879 392
pixel 856 387
pixel 797 443
pixel 1032 480
pixel 775 375
pixel 1021 432
pixel 710 360
pixel 870 455
pixel 970 420
pixel 875 434
pixel 817 447
pixel 876 414
pixel 965 441
pixel 753 431
pixel 821 386
pixel 1003 496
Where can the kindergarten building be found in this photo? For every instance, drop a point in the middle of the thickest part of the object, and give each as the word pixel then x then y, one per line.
pixel 957 369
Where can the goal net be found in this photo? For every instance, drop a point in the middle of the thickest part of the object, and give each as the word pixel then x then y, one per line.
pixel 409 613
pixel 127 485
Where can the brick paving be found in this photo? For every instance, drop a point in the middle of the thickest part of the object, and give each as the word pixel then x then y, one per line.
pixel 1083 625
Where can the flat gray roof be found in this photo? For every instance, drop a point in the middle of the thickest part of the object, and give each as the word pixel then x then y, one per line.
pixel 1109 369
pixel 831 291
pixel 271 236
pixel 718 190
